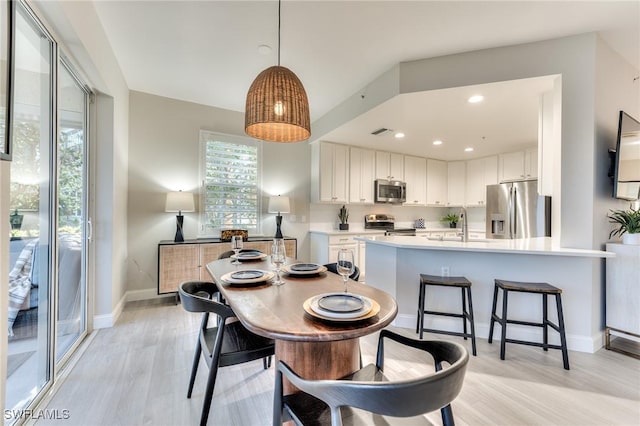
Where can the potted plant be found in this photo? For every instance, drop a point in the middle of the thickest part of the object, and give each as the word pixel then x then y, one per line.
pixel 343 215
pixel 629 225
pixel 452 218
pixel 16 220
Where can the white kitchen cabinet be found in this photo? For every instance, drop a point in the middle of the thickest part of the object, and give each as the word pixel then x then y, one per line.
pixel 361 175
pixel 531 163
pixel 623 291
pixel 480 173
pixel 520 165
pixel 415 175
pixel 437 176
pixel 330 172
pixel 389 166
pixel 325 248
pixel 456 182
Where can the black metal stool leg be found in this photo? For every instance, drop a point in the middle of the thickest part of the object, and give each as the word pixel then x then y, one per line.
pixel 503 323
pixel 563 337
pixel 493 313
pixel 421 302
pixel 464 313
pixel 545 324
pixel 471 321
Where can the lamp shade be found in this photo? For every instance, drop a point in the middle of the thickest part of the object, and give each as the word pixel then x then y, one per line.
pixel 277 108
pixel 179 202
pixel 279 204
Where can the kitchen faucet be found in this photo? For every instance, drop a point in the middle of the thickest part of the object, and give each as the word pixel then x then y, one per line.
pixel 464 235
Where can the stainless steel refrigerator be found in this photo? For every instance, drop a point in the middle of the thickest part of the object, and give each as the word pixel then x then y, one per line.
pixel 515 210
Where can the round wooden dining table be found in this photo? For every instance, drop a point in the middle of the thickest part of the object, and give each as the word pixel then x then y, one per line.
pixel 314 348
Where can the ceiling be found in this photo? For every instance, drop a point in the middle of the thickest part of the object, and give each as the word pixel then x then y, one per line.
pixel 207 52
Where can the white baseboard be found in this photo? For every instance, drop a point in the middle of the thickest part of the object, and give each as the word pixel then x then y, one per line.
pixel 574 343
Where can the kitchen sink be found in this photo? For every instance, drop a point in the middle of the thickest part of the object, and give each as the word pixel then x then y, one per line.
pixel 458 239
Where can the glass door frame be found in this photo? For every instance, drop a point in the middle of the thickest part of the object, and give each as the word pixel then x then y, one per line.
pixel 86 236
pixel 59 59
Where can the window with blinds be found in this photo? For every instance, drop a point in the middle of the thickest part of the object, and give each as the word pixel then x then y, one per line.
pixel 231 182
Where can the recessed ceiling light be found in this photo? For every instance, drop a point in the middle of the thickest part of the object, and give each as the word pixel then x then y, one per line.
pixel 264 49
pixel 468 149
pixel 475 99
pixel 438 142
pixel 399 135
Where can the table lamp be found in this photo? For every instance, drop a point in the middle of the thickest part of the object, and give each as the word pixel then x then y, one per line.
pixel 279 205
pixel 179 202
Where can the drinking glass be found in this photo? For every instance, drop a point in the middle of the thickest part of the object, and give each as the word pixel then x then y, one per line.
pixel 278 257
pixel 345 265
pixel 236 246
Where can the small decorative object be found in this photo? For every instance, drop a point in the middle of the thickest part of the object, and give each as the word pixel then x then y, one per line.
pixel 343 215
pixel 629 225
pixel 15 220
pixel 419 224
pixel 279 205
pixel 452 218
pixel 179 202
pixel 226 234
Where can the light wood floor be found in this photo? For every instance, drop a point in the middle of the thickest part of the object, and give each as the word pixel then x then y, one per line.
pixel 136 373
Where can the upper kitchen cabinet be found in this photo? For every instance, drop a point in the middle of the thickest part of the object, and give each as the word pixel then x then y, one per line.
pixel 521 165
pixel 456 182
pixel 329 173
pixel 389 166
pixel 362 164
pixel 415 175
pixel 437 182
pixel 480 173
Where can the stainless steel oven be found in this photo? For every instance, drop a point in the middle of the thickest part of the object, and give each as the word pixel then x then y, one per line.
pixel 390 191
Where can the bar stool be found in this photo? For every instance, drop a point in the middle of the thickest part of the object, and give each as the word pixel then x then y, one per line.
pixel 458 282
pixel 544 289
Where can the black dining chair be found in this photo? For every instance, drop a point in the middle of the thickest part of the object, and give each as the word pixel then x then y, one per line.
pixel 225 344
pixel 333 267
pixel 320 401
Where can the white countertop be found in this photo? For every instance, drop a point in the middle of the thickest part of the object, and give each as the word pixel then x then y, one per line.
pixel 537 246
pixel 362 231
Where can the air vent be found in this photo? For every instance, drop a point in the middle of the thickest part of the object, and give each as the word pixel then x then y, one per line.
pixel 381 131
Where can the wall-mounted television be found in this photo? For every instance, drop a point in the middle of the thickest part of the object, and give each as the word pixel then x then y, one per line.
pixel 626 175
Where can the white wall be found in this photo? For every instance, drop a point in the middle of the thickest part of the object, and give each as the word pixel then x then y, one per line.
pixel 164 156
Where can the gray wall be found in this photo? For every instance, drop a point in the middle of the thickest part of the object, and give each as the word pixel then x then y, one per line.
pixel 164 156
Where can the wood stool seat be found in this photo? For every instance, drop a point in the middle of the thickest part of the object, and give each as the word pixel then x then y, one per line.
pixel 528 287
pixel 466 315
pixel 444 281
pixel 544 289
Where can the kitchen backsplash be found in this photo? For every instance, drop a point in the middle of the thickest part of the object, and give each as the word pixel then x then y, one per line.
pixel 325 216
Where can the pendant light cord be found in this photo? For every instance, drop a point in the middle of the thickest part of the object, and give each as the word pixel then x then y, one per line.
pixel 279 6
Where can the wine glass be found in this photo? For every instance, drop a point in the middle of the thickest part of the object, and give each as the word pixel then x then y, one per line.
pixel 236 246
pixel 278 257
pixel 345 265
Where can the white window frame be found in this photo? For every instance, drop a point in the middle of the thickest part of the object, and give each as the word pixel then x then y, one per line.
pixel 206 135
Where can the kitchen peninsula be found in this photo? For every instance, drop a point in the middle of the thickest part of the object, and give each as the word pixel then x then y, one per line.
pixel 394 263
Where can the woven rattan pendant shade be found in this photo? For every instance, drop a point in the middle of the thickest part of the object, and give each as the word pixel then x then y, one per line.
pixel 277 109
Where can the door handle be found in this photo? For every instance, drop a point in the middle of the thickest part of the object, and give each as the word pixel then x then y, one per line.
pixel 89 230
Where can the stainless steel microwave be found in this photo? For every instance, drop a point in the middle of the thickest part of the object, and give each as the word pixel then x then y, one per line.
pixel 390 191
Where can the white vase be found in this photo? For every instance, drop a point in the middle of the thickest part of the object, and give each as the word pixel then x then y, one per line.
pixel 633 239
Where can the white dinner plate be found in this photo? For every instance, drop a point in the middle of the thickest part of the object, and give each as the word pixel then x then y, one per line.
pixel 366 308
pixel 304 271
pixel 251 276
pixel 330 316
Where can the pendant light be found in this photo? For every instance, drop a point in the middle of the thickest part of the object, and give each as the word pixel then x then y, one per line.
pixel 277 108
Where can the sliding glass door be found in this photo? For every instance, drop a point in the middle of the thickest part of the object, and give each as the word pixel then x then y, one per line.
pixel 29 366
pixel 48 200
pixel 72 207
